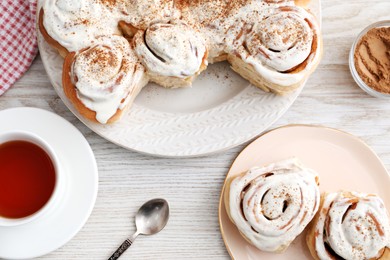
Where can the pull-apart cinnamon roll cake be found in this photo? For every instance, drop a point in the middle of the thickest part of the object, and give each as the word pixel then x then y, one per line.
pixel 272 205
pixel 350 225
pixel 275 44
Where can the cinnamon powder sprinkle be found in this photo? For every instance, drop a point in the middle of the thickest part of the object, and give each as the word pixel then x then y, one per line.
pixel 377 224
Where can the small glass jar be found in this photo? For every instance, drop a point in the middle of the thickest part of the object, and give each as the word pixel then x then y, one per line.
pixel 354 72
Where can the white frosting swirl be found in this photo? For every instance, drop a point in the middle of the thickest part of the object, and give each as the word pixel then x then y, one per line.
pixel 281 40
pixel 353 225
pixel 107 76
pixel 272 205
pixel 171 50
pixel 75 24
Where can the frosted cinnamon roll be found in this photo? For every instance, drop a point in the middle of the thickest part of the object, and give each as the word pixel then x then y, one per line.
pixel 272 205
pixel 350 225
pixel 70 25
pixel 174 54
pixel 141 14
pixel 103 79
pixel 210 18
pixel 276 49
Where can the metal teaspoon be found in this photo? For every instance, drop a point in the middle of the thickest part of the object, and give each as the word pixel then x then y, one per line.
pixel 151 218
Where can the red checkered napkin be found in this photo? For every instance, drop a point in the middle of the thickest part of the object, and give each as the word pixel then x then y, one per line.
pixel 18 40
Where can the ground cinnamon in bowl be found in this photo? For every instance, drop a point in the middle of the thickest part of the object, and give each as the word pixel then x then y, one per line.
pixel 369 59
pixel 372 59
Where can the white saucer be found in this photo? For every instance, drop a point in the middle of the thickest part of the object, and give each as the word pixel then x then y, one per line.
pixel 53 230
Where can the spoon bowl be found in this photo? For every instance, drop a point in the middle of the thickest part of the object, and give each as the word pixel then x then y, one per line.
pixel 152 217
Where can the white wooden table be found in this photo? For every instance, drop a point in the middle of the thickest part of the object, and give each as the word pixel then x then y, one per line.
pixel 192 186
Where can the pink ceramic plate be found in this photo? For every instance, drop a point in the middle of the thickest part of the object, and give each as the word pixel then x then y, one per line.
pixel 343 161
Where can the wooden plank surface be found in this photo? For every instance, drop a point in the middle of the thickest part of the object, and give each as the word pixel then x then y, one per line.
pixel 192 186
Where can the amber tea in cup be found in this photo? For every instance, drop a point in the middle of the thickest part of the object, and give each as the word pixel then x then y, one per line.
pixel 28 177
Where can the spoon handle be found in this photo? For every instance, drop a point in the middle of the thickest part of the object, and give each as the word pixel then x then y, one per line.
pixel 125 245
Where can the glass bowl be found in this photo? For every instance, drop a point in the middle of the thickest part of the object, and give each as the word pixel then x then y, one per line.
pixel 354 72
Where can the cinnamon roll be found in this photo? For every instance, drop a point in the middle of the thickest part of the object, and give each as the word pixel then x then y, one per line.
pixel 272 205
pixel 210 17
pixel 173 54
pixel 276 49
pixel 141 14
pixel 70 25
pixel 103 79
pixel 350 225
